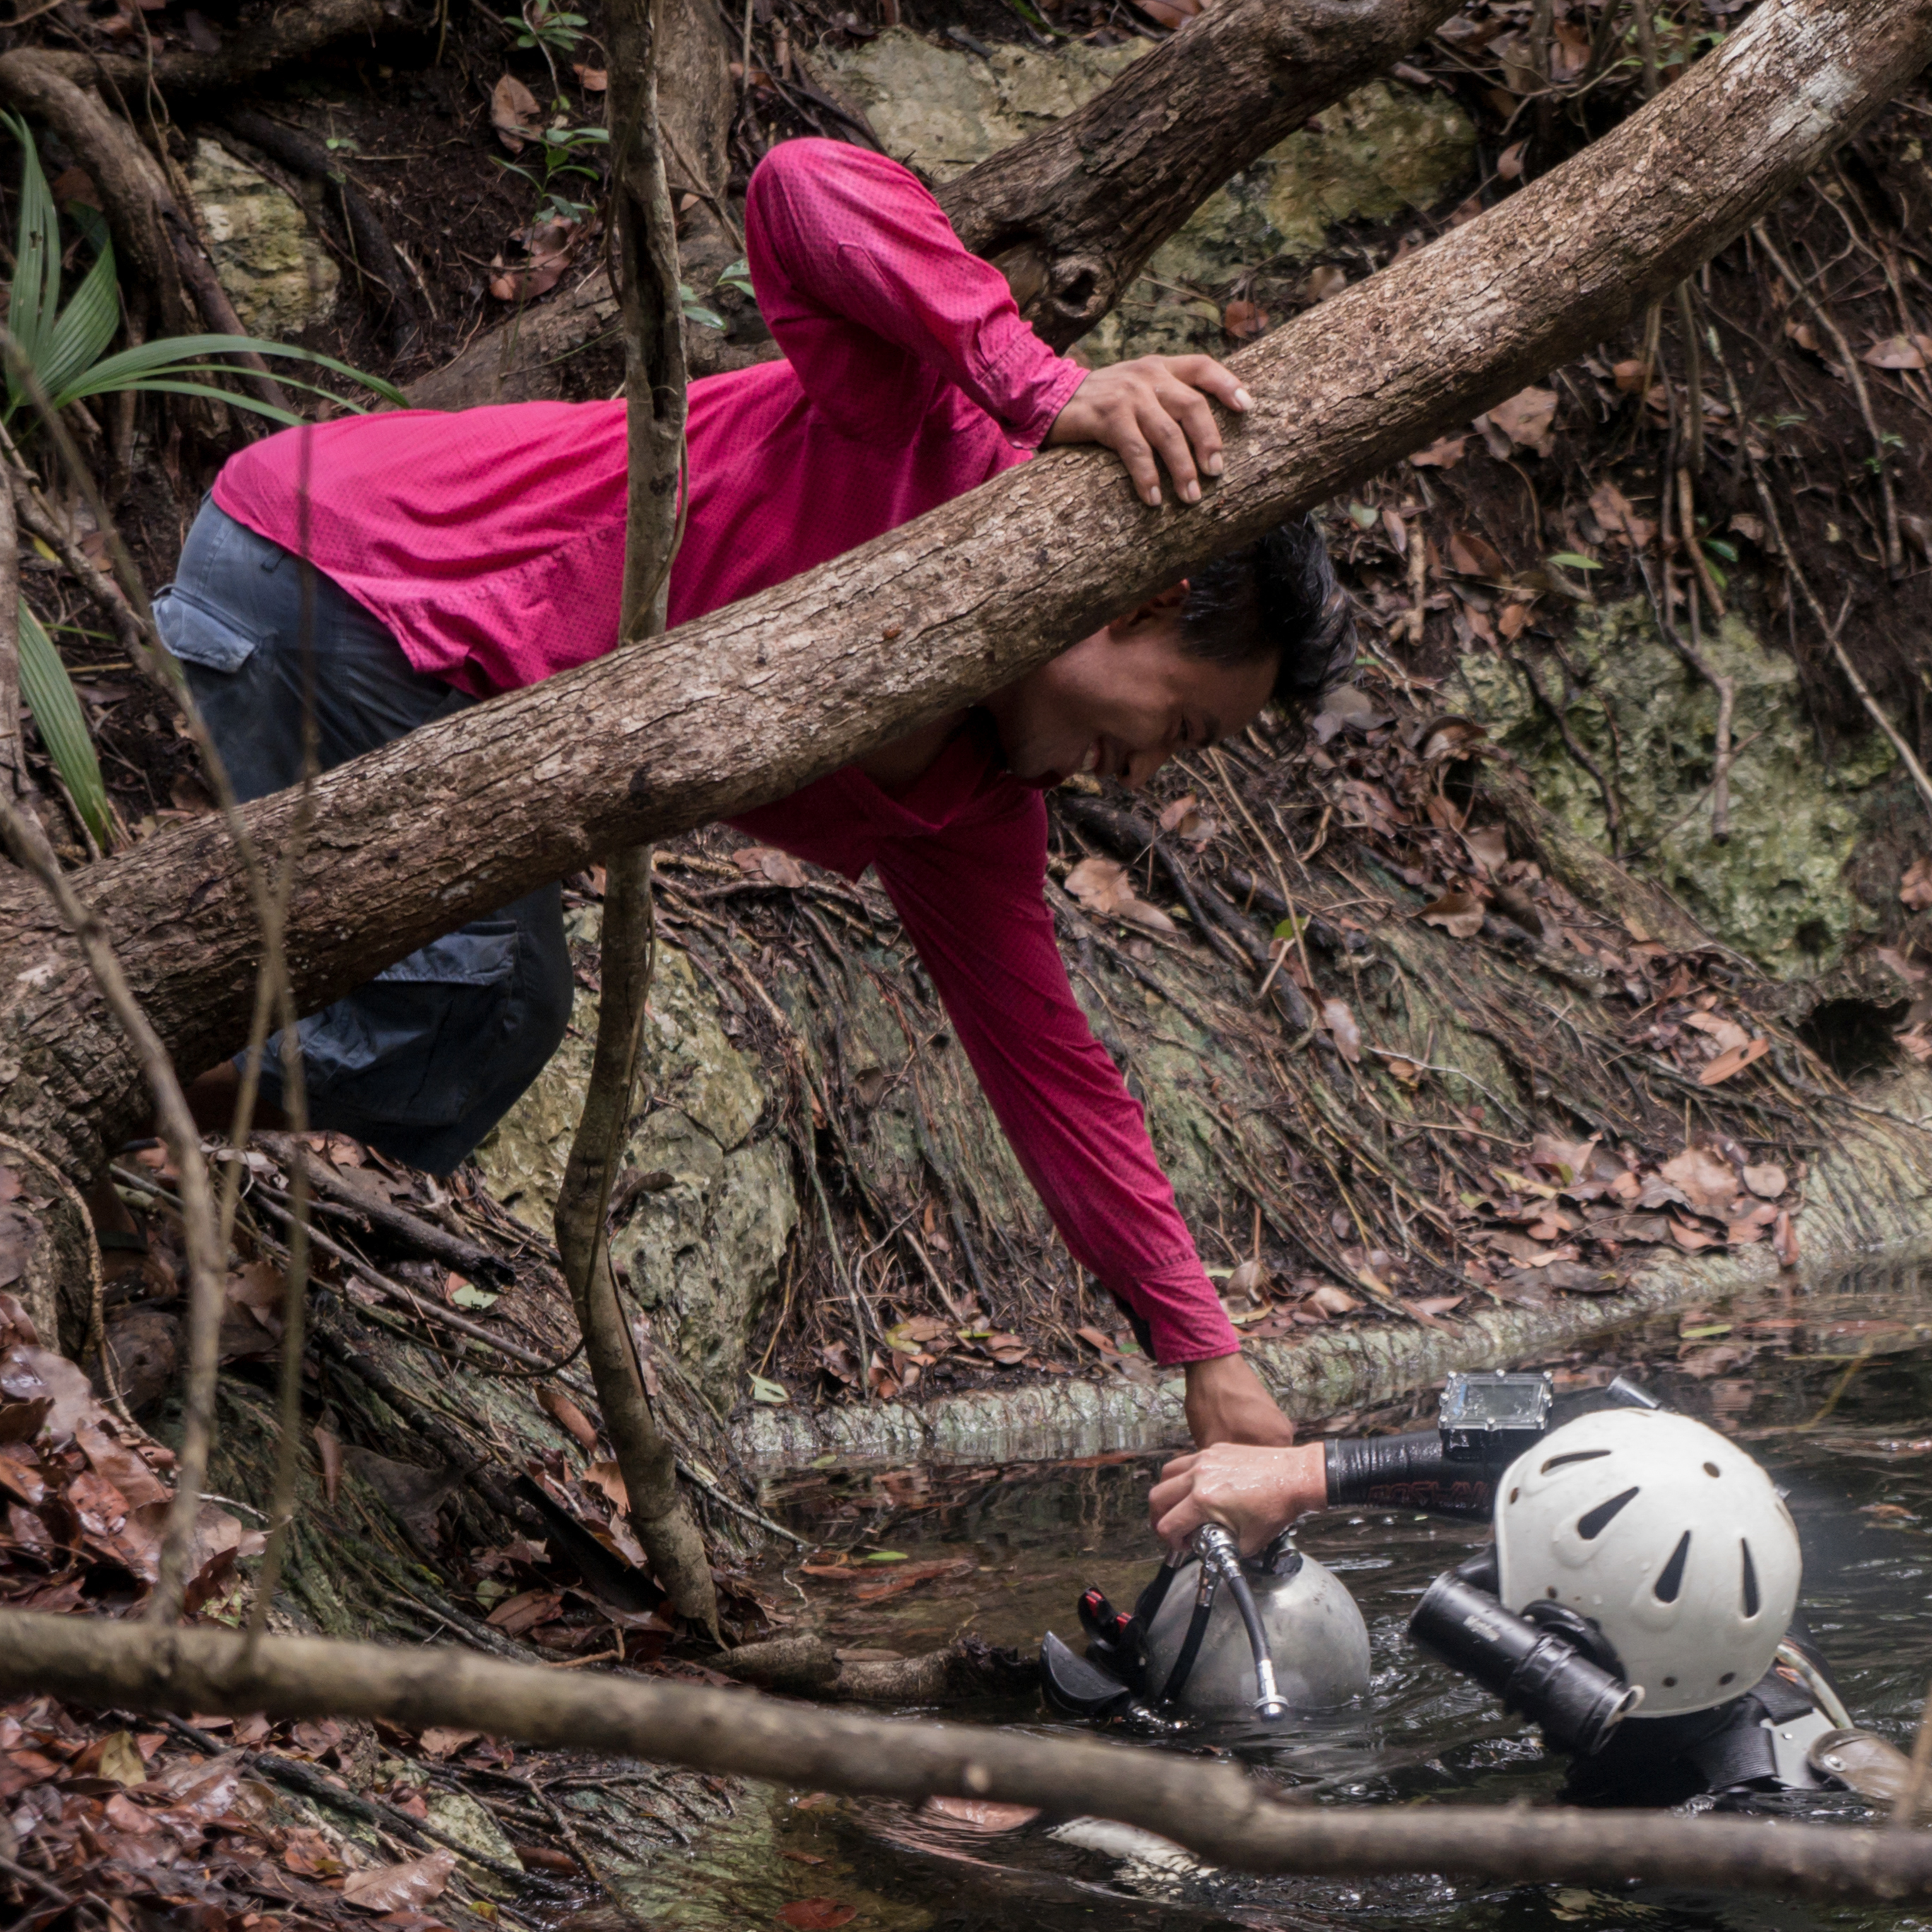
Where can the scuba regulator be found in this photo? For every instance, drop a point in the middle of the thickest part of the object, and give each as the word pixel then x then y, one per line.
pixel 1279 1631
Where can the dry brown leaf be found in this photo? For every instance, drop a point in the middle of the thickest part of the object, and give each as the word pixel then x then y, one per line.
pixel 1915 889
pixel 1100 884
pixel 515 113
pixel 1691 1239
pixel 1767 1182
pixel 608 1478
pixel 1509 163
pixel 1917 1042
pixel 1458 913
pixel 1525 419
pixel 329 1449
pixel 1895 351
pixel 592 79
pixel 1342 1030
pixel 1444 454
pixel 769 866
pixel 1148 918
pixel 1617 518
pixel 1726 1034
pixel 1628 376
pixel 1488 844
pixel 1248 1284
pixel 1474 556
pixel 400 1888
pixel 1707 1184
pixel 1333 1300
pixel 1396 530
pixel 1735 1061
pixel 1324 283
pixel 441 1740
pixel 567 1417
pixel 1243 321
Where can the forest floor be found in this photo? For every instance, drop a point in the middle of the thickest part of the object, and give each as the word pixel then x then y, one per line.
pixel 1325 917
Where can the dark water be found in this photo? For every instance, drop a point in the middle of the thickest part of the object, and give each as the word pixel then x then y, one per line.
pixel 1831 1389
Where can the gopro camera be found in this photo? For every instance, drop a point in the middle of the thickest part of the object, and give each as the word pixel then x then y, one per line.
pixel 1493 1418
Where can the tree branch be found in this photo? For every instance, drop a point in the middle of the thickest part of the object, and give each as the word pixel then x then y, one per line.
pixel 1223 1812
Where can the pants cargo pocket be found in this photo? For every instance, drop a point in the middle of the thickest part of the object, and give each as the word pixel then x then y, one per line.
pixel 198 633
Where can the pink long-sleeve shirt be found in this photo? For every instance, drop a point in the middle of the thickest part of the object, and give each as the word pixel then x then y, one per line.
pixel 491 542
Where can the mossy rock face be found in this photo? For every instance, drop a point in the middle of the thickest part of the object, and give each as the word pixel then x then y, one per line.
pixel 703 1243
pixel 268 258
pixel 1383 149
pixel 1776 891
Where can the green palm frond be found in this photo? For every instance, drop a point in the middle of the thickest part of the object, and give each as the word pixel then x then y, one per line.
pixel 50 694
pixel 35 293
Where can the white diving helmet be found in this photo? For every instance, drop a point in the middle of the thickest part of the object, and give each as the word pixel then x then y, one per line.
pixel 1668 1537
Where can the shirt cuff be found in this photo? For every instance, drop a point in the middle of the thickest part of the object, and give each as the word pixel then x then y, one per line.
pixel 1033 386
pixel 1185 1319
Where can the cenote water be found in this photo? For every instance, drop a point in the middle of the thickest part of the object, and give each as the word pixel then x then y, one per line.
pixel 1832 1388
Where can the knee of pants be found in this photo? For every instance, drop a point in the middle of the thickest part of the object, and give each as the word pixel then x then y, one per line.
pixel 549 986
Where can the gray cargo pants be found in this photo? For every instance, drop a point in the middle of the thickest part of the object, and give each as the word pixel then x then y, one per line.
pixel 425 1059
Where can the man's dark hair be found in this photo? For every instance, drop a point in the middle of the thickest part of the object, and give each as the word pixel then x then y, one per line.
pixel 1278 598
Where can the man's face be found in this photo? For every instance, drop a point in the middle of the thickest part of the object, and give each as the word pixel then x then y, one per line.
pixel 1122 701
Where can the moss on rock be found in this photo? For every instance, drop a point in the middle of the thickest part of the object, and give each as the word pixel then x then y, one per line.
pixel 268 258
pixel 1776 891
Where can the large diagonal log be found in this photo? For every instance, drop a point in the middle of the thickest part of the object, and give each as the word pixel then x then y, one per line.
pixel 745 706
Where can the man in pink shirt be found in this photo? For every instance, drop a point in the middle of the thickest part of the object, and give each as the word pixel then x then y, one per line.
pixel 457 557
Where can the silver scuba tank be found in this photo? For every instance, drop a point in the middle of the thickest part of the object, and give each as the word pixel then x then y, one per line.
pixel 1312 1633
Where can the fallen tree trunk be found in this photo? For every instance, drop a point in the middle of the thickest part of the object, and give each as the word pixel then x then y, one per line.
pixel 1071 213
pixel 1219 1812
pixel 746 705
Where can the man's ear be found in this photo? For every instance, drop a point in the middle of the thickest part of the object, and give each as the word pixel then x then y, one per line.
pixel 1162 603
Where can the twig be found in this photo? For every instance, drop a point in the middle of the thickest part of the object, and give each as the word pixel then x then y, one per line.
pixel 1560 717
pixel 1768 502
pixel 1894 554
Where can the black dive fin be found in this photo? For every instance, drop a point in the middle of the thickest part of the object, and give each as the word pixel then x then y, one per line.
pixel 1075 1686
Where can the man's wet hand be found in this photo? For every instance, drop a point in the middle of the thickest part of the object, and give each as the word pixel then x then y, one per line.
pixel 1253 1493
pixel 1226 1402
pixel 1155 407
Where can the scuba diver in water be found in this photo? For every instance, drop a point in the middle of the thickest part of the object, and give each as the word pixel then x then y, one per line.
pixel 1638 1602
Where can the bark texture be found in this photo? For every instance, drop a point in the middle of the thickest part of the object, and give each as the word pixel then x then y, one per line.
pixel 745 706
pixel 1070 214
pixel 1216 1810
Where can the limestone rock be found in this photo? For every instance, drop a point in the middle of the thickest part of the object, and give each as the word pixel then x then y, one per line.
pixel 459 1814
pixel 1777 891
pixel 701 1252
pixel 270 260
pixel 1384 148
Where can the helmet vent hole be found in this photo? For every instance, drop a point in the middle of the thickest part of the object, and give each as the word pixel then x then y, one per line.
pixel 1592 1523
pixel 1750 1582
pixel 1711 1469
pixel 1579 1456
pixel 1671 1579
pixel 1729 1677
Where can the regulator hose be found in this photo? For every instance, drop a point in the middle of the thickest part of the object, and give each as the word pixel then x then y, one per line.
pixel 1219 1552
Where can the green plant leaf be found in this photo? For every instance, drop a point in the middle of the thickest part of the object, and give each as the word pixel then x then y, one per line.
pixel 37 278
pixel 50 696
pixel 145 358
pixel 86 328
pixel 1570 560
pixel 705 318
pixel 468 1296
pixel 885 1556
